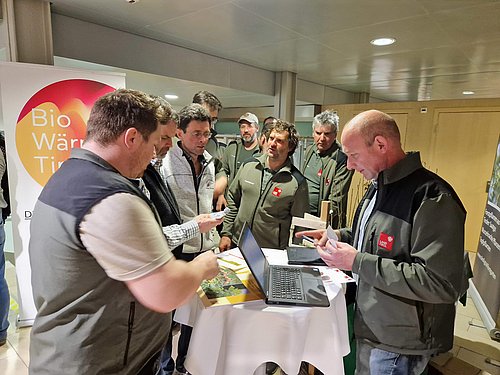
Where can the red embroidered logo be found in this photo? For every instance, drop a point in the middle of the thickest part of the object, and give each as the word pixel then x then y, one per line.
pixel 385 241
pixel 327 181
pixel 277 191
pixel 320 172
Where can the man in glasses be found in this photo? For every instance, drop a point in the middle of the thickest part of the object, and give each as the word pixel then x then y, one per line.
pixel 213 106
pixel 189 171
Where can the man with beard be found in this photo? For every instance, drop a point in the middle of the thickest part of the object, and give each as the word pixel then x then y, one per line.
pixel 240 150
pixel 267 125
pixel 266 192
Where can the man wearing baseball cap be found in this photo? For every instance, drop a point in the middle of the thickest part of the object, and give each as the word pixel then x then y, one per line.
pixel 240 150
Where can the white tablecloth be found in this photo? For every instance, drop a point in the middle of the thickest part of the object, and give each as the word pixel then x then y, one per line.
pixel 237 339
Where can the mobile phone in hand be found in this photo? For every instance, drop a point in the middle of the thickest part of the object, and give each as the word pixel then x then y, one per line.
pixel 332 237
pixel 220 214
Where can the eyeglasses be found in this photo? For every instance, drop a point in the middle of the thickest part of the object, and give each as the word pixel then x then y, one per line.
pixel 199 135
pixel 214 120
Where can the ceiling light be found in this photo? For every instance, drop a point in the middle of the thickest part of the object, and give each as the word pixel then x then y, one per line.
pixel 382 41
pixel 468 92
pixel 171 96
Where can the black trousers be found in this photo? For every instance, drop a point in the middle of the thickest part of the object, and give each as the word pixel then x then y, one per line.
pixel 152 366
pixel 185 332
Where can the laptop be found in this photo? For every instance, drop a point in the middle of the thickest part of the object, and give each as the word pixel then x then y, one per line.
pixel 282 285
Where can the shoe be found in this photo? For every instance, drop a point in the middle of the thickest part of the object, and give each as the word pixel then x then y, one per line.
pixel 304 368
pixel 3 341
pixel 272 368
pixel 181 371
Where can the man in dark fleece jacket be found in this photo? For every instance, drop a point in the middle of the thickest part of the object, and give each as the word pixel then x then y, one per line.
pixel 406 249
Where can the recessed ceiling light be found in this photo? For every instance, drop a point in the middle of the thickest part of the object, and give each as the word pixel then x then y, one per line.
pixel 468 92
pixel 171 96
pixel 382 41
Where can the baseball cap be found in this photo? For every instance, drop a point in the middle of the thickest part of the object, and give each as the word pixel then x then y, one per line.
pixel 249 117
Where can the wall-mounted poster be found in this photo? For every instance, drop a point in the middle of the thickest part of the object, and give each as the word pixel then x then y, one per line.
pixel 45 112
pixel 486 284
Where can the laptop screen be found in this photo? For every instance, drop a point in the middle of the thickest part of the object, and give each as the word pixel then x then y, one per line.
pixel 254 257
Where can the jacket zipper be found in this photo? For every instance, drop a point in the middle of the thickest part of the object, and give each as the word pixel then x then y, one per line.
pixel 237 155
pixel 372 236
pixel 197 180
pixel 260 201
pixel 197 185
pixel 131 315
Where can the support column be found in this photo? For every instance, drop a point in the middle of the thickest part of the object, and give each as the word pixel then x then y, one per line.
pixel 33 32
pixel 7 31
pixel 285 93
pixel 361 97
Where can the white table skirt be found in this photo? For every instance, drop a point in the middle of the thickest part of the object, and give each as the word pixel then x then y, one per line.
pixel 237 339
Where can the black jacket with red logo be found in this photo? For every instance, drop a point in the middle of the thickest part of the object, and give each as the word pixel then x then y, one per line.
pixel 267 207
pixel 411 260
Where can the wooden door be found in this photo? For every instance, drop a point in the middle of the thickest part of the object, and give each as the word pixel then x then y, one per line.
pixel 463 152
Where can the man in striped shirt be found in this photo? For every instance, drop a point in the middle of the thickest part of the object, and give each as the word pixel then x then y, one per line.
pixel 176 231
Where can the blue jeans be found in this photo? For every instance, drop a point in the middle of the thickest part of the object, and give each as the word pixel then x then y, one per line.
pixel 4 290
pixel 167 362
pixel 374 361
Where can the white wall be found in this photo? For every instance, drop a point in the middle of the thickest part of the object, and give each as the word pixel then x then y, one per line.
pixel 89 42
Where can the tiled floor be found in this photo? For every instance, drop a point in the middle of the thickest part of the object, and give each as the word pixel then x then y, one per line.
pixel 14 356
pixel 472 343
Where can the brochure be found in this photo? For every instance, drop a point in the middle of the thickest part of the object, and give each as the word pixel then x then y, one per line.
pixel 233 285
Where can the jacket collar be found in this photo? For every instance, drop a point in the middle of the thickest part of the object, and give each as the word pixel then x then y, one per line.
pixel 286 167
pixel 401 169
pixel 334 147
pixel 84 154
pixel 205 158
pixel 240 142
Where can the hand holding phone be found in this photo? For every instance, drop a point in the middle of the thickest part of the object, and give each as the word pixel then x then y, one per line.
pixel 332 237
pixel 220 214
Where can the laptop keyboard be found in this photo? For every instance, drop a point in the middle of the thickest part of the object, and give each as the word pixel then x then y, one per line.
pixel 286 283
